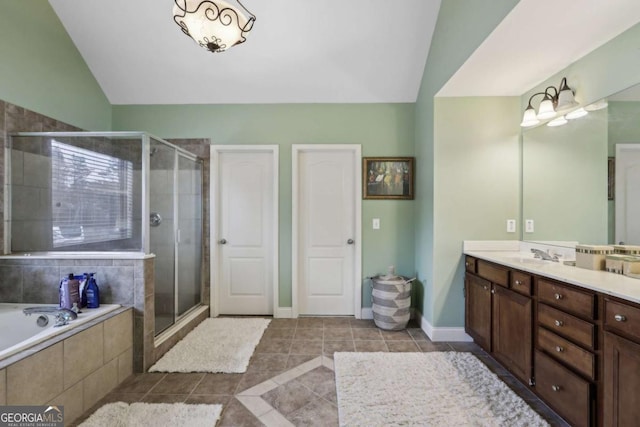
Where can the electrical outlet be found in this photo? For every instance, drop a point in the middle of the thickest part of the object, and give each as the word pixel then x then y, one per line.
pixel 376 223
pixel 528 226
pixel 511 226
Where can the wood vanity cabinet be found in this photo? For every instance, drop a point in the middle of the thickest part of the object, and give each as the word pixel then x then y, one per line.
pixel 565 357
pixel 478 310
pixel 579 349
pixel 499 314
pixel 621 378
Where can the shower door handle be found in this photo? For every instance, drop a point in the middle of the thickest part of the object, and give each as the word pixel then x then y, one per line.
pixel 222 241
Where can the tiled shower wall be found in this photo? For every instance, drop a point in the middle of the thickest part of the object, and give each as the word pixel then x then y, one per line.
pixel 127 282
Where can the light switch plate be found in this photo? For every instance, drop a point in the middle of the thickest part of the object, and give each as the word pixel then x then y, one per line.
pixel 528 226
pixel 511 226
pixel 376 223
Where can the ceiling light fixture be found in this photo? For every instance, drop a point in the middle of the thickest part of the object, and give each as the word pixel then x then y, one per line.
pixel 555 101
pixel 215 25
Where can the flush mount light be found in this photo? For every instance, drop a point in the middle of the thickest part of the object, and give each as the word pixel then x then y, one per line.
pixel 215 25
pixel 554 101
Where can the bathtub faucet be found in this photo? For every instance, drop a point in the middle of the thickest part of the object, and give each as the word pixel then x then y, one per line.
pixel 62 315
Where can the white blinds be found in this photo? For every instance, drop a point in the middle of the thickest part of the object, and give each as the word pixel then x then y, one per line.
pixel 91 196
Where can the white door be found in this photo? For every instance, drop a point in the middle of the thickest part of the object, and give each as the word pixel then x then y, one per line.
pixel 627 195
pixel 245 231
pixel 328 198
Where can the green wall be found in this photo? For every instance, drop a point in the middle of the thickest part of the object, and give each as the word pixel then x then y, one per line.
pixel 461 27
pixel 381 129
pixel 41 69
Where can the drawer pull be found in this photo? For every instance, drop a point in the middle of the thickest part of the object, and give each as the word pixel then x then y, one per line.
pixel 555 387
pixel 620 318
pixel 559 349
pixel 558 296
pixel 559 323
pixel 485 288
pixel 466 264
pixel 493 291
pixel 518 282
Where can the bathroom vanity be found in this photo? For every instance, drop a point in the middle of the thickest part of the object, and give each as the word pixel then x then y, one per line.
pixel 572 335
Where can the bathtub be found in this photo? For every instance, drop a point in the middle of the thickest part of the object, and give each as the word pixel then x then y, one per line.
pixel 19 331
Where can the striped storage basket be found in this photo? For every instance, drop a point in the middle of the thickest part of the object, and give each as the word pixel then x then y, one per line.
pixel 391 301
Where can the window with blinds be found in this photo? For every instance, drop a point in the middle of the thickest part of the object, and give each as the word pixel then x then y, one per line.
pixel 91 196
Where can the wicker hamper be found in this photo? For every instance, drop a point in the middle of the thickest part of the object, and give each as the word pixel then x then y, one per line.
pixel 391 301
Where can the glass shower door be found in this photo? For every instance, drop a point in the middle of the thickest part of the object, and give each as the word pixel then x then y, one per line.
pixel 189 240
pixel 162 231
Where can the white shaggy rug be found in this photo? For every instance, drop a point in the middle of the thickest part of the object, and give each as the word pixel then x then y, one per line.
pixel 120 414
pixel 425 389
pixel 215 345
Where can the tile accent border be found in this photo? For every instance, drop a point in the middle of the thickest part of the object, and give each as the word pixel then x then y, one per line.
pixel 267 414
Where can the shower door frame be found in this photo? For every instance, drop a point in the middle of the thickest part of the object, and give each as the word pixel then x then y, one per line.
pixel 146 211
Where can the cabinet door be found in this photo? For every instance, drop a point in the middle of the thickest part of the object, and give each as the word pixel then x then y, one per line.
pixel 512 324
pixel 621 381
pixel 478 310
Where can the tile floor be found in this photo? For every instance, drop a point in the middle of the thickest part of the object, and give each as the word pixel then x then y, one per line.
pixel 290 379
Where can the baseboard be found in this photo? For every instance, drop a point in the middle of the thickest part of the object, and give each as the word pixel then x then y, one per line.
pixel 436 334
pixel 283 313
pixel 366 313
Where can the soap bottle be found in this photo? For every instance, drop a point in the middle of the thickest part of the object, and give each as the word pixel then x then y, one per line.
pixel 93 293
pixel 69 292
pixel 83 290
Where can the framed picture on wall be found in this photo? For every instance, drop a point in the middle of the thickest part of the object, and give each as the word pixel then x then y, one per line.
pixel 611 187
pixel 387 178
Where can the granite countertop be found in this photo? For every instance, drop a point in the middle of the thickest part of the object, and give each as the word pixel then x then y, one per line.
pixel 600 281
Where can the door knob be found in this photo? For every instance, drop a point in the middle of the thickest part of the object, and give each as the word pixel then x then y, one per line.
pixel 222 241
pixel 350 242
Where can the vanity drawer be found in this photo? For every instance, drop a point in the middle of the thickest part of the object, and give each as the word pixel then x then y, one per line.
pixel 521 282
pixel 492 272
pixel 563 390
pixel 470 264
pixel 577 330
pixel 581 360
pixel 622 317
pixel 566 298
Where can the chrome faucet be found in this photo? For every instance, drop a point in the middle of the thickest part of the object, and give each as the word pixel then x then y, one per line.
pixel 62 315
pixel 537 253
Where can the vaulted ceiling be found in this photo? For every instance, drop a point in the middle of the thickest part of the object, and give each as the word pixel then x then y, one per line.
pixel 333 51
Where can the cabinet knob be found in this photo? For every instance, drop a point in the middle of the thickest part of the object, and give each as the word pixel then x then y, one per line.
pixel 559 349
pixel 558 296
pixel 555 387
pixel 518 282
pixel 620 318
pixel 485 288
pixel 466 264
pixel 493 291
pixel 559 323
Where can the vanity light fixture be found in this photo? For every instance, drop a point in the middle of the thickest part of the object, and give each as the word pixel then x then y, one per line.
pixel 554 101
pixel 558 121
pixel 575 114
pixel 598 105
pixel 214 24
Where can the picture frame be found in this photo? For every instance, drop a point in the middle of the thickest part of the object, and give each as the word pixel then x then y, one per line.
pixel 388 178
pixel 611 169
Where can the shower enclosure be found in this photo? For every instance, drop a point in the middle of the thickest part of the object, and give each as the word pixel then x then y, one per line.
pixel 110 192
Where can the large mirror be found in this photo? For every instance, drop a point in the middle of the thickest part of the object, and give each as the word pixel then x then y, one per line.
pixel 566 176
